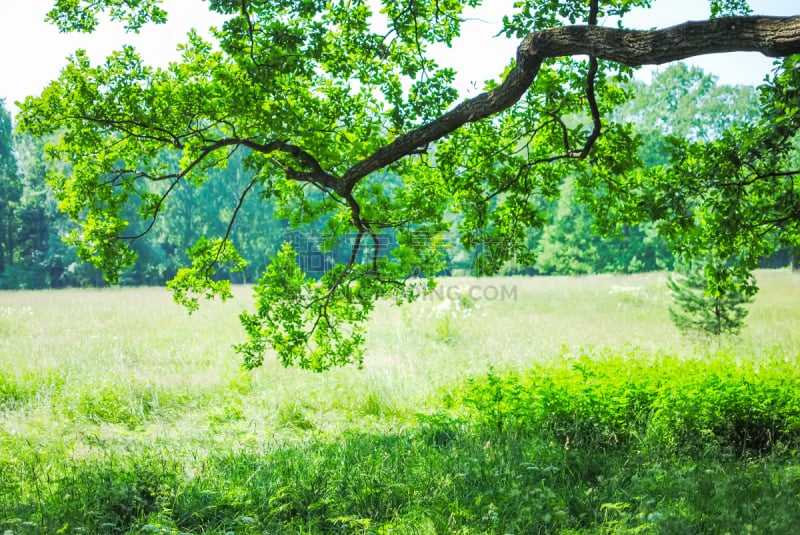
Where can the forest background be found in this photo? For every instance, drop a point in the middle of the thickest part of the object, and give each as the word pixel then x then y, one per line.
pixel 681 102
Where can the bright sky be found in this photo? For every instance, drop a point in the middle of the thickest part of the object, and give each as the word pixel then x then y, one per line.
pixel 33 51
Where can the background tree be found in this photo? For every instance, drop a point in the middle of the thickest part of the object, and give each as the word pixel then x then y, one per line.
pixel 571 244
pixel 680 102
pixel 324 95
pixel 685 103
pixel 735 198
pixel 10 189
pixel 41 258
pixel 702 307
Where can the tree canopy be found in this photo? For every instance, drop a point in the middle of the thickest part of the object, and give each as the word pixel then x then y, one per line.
pixel 343 116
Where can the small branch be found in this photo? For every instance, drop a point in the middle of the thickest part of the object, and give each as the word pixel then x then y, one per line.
pixel 233 217
pixel 783 174
pixel 326 299
pixel 159 207
pixel 527 166
pixel 591 76
pixel 124 125
pixel 594 9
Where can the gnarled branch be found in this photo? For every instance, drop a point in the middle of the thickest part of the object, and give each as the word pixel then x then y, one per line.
pixel 771 36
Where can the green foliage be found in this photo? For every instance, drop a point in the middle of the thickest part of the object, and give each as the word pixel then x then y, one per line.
pixel 709 299
pixel 696 108
pixel 206 255
pixel 313 323
pixel 8 163
pixel 571 243
pixel 82 16
pixel 36 257
pixel 594 443
pixel 681 102
pixel 331 110
pixel 729 8
pixel 685 103
pixel 611 401
pixel 10 189
pixel 735 196
pixel 540 14
pixel 131 419
pixel 568 246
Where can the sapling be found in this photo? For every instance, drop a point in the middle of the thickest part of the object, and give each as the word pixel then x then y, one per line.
pixel 709 298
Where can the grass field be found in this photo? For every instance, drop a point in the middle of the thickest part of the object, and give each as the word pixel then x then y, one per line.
pixel 513 405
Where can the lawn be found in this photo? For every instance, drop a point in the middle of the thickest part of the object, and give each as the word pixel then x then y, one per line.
pixel 504 405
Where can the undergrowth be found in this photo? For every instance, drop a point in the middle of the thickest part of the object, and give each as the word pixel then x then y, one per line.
pixel 119 418
pixel 610 443
pixel 740 407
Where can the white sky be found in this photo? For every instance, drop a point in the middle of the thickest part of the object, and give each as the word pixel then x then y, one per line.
pixel 33 51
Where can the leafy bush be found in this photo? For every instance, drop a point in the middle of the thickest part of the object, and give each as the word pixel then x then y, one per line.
pixel 608 400
pixel 741 407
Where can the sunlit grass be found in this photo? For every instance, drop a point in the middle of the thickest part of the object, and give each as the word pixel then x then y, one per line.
pixel 90 359
pixel 124 377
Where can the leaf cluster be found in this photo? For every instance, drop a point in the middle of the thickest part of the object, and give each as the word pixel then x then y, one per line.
pixel 83 15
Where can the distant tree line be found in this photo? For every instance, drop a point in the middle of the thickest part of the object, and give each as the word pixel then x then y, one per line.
pixel 681 102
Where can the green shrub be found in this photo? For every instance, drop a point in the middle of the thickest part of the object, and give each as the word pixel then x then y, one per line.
pixel 607 400
pixel 709 298
pixel 745 408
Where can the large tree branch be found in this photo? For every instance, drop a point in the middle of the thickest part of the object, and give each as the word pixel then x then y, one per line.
pixel 316 175
pixel 771 36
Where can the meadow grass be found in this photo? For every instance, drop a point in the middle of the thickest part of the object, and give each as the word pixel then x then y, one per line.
pixel 119 413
